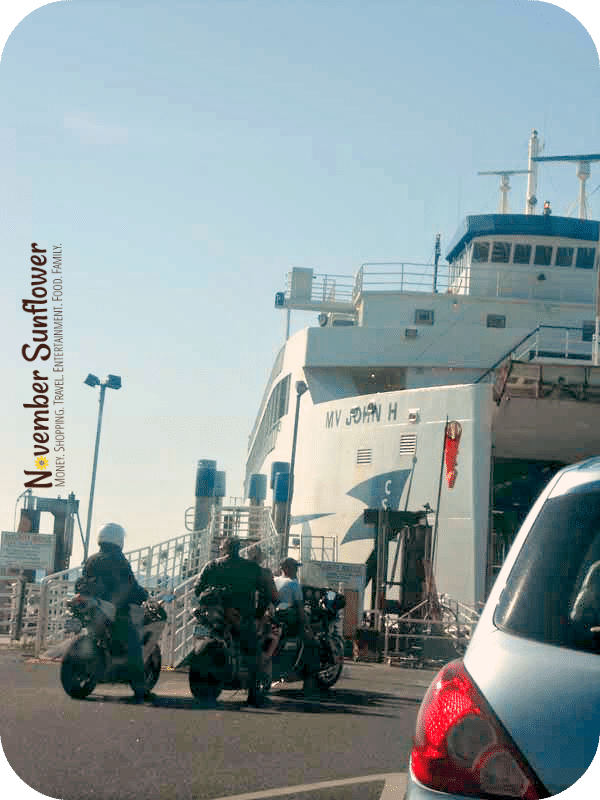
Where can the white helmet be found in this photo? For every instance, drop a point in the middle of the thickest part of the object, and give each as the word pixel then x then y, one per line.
pixel 112 534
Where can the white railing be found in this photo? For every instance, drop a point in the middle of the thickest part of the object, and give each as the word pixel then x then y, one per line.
pixel 455 624
pixel 480 280
pixel 328 288
pixel 555 342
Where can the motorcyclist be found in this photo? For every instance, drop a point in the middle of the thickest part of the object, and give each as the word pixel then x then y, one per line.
pixel 108 575
pixel 291 598
pixel 264 625
pixel 244 582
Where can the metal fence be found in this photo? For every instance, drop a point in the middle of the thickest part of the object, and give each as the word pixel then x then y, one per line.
pixel 418 637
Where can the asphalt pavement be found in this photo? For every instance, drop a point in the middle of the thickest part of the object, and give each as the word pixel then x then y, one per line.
pixel 352 743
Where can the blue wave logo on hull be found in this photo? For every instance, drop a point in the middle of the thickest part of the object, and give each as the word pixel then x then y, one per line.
pixel 381 491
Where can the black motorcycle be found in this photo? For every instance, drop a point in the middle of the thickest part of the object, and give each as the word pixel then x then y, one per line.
pixel 322 610
pixel 96 656
pixel 220 659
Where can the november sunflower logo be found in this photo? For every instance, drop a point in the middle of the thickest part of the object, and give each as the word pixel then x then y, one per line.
pixel 41 463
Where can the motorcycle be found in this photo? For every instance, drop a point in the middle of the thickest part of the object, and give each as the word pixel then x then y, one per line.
pixel 322 611
pixel 219 660
pixel 96 656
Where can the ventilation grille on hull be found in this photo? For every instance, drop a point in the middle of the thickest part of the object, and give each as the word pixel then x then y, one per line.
pixel 408 444
pixel 364 456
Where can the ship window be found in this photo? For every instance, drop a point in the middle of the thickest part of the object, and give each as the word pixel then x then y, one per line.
pixel 480 252
pixel 585 257
pixel 496 321
pixel 564 256
pixel 543 255
pixel 423 316
pixel 501 252
pixel 522 254
pixel 588 331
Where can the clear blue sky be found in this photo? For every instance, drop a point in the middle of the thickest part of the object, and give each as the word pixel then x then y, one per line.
pixel 187 154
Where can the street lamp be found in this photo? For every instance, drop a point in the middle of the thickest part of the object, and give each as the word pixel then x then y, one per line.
pixel 301 387
pixel 110 382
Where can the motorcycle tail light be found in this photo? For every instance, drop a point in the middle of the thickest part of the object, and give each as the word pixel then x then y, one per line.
pixel 460 747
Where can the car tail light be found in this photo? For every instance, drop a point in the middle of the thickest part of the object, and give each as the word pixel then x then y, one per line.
pixel 460 747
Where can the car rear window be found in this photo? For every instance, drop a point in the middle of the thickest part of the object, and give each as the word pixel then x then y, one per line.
pixel 553 590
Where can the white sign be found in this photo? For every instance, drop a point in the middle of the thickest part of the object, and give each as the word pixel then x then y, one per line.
pixel 331 573
pixel 27 550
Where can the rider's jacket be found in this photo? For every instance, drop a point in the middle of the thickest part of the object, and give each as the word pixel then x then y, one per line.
pixel 108 575
pixel 244 581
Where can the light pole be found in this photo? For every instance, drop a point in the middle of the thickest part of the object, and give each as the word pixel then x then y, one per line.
pixel 301 387
pixel 111 382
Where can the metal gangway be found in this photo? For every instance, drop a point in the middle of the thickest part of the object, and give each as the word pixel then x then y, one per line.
pixel 167 570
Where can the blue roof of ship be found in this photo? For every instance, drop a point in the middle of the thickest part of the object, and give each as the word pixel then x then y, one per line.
pixel 523 225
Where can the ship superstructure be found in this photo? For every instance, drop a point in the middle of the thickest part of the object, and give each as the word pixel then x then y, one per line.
pixel 451 390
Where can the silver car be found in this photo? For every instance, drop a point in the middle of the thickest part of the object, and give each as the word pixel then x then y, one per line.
pixel 519 715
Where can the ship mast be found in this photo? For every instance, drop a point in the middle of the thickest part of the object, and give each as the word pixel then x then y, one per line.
pixel 535 148
pixel 583 173
pixel 505 185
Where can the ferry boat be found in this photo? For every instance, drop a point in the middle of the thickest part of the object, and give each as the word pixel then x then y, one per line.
pixel 451 392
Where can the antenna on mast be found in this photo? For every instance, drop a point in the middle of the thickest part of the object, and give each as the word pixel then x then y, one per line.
pixel 583 173
pixel 505 185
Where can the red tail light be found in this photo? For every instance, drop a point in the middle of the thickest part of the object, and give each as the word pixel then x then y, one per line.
pixel 461 748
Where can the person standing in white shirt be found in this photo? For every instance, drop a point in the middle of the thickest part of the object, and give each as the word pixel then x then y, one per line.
pixel 291 597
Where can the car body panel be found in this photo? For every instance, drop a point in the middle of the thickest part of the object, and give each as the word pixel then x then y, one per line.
pixel 547 698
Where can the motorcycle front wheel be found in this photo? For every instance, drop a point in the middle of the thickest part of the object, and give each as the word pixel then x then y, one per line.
pixel 78 675
pixel 332 661
pixel 152 669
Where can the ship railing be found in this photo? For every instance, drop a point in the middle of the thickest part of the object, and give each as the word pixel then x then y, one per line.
pixel 315 548
pixel 479 280
pixel 452 627
pixel 557 341
pixel 246 522
pixel 327 288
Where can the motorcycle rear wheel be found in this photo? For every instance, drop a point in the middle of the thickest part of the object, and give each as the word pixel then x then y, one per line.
pixel 202 689
pixel 331 668
pixel 78 676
